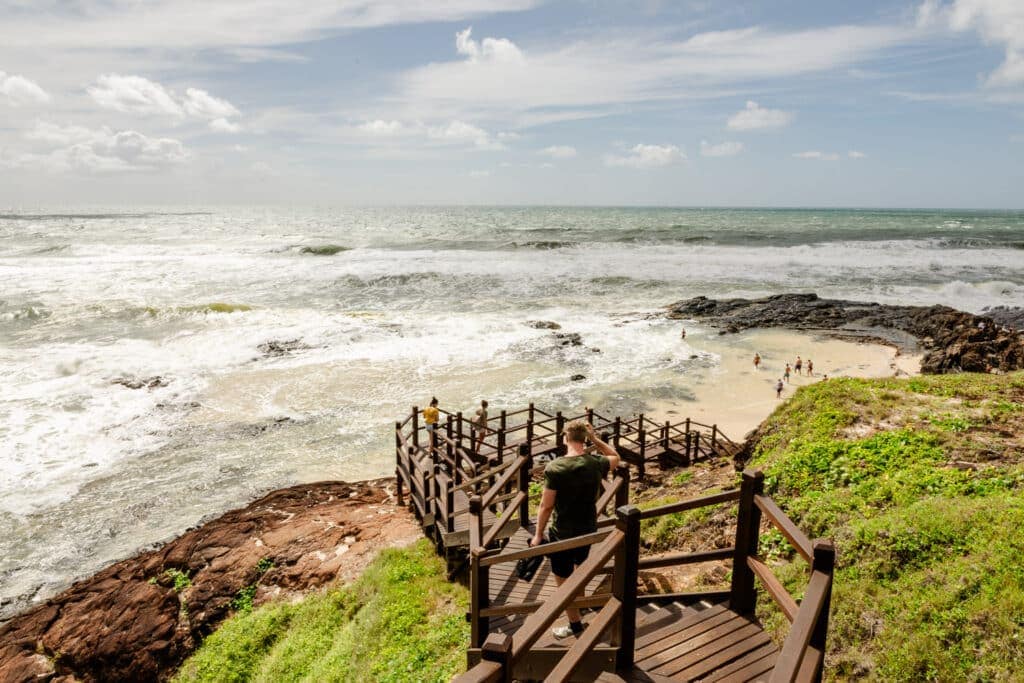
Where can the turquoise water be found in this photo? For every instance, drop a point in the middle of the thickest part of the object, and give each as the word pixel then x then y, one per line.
pixel 387 306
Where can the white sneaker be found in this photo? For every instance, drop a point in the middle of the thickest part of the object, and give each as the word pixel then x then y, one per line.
pixel 564 631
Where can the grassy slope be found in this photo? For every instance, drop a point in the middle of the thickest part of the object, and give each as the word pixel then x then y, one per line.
pixel 921 483
pixel 400 621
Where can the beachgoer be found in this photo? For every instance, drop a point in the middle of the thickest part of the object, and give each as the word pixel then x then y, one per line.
pixel 799 364
pixel 480 426
pixel 682 335
pixel 572 485
pixel 786 373
pixel 431 416
pixel 778 389
pixel 757 361
pixel 810 368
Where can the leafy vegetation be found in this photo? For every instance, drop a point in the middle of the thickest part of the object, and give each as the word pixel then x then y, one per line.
pixel 921 484
pixel 400 621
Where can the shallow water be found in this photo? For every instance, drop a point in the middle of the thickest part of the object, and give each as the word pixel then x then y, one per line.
pixel 419 302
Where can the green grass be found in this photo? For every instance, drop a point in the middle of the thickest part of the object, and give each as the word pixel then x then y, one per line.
pixel 921 484
pixel 400 621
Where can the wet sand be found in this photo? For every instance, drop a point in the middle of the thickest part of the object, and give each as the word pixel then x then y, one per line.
pixel 737 396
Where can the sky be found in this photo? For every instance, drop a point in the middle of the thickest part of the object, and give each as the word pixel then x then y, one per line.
pixel 595 102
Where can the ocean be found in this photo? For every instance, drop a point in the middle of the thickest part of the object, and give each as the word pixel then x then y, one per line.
pixel 159 367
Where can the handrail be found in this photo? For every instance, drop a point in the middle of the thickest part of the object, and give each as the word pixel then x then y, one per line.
pixel 774 587
pixel 609 493
pixel 545 549
pixel 795 646
pixel 692 503
pixel 501 483
pixel 537 623
pixel 469 483
pixel 484 672
pixel 784 524
pixel 499 526
pixel 673 559
pixel 572 659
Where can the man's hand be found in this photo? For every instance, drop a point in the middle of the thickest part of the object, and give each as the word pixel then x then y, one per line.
pixel 536 540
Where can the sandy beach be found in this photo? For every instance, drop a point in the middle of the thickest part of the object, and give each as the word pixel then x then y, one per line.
pixel 737 396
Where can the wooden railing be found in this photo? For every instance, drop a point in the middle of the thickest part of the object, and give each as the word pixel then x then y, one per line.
pixel 503 657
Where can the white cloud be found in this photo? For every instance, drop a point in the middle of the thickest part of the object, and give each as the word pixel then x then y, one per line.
pixel 479 174
pixel 226 24
pixel 488 50
pixel 818 156
pixel 77 148
pixel 756 117
pixel 722 149
pixel 559 152
pixel 138 95
pixel 225 126
pixel 459 132
pixel 998 22
pixel 647 156
pixel 854 154
pixel 134 95
pixel 203 105
pixel 20 90
pixel 385 128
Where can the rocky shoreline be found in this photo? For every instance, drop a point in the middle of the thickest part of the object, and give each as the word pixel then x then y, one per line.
pixel 138 619
pixel 951 340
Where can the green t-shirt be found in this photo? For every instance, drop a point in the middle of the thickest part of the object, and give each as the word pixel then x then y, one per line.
pixel 577 479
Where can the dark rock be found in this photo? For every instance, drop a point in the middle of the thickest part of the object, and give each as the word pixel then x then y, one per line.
pixel 141 383
pixel 954 340
pixel 568 339
pixel 543 325
pixel 578 378
pixel 1009 316
pixel 127 623
pixel 277 348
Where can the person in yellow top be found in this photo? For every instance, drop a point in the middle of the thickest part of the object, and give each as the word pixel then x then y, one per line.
pixel 431 417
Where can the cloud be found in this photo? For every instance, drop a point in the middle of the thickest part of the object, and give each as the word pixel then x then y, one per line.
pixel 998 22
pixel 647 156
pixel 19 90
pixel 479 174
pixel 559 152
pixel 854 154
pixel 756 117
pixel 134 95
pixel 489 50
pixel 818 156
pixel 138 95
pixel 722 149
pixel 225 126
pixel 459 132
pixel 77 148
pixel 229 24
pixel 203 105
pixel 384 128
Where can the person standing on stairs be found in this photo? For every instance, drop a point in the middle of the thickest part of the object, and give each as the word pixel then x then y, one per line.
pixel 572 485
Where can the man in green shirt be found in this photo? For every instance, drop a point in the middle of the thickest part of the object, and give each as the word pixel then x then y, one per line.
pixel 572 485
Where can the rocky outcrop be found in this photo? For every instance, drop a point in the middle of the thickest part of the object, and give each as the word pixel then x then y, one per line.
pixel 138 619
pixel 952 340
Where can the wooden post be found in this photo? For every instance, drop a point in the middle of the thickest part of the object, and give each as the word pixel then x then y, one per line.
pixel 696 446
pixel 449 501
pixel 743 594
pixel 426 469
pixel 559 435
pixel 617 432
pixel 824 559
pixel 622 495
pixel 665 435
pixel 498 648
pixel 642 437
pixel 529 415
pixel 415 426
pixel 479 596
pixel 398 464
pixel 525 475
pixel 503 422
pixel 590 415
pixel 458 429
pixel 714 438
pixel 624 583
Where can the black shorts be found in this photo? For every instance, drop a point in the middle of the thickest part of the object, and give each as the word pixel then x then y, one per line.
pixel 563 563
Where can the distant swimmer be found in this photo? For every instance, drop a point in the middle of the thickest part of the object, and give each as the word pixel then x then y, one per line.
pixel 778 389
pixel 810 367
pixel 682 333
pixel 757 361
pixel 786 373
pixel 799 364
